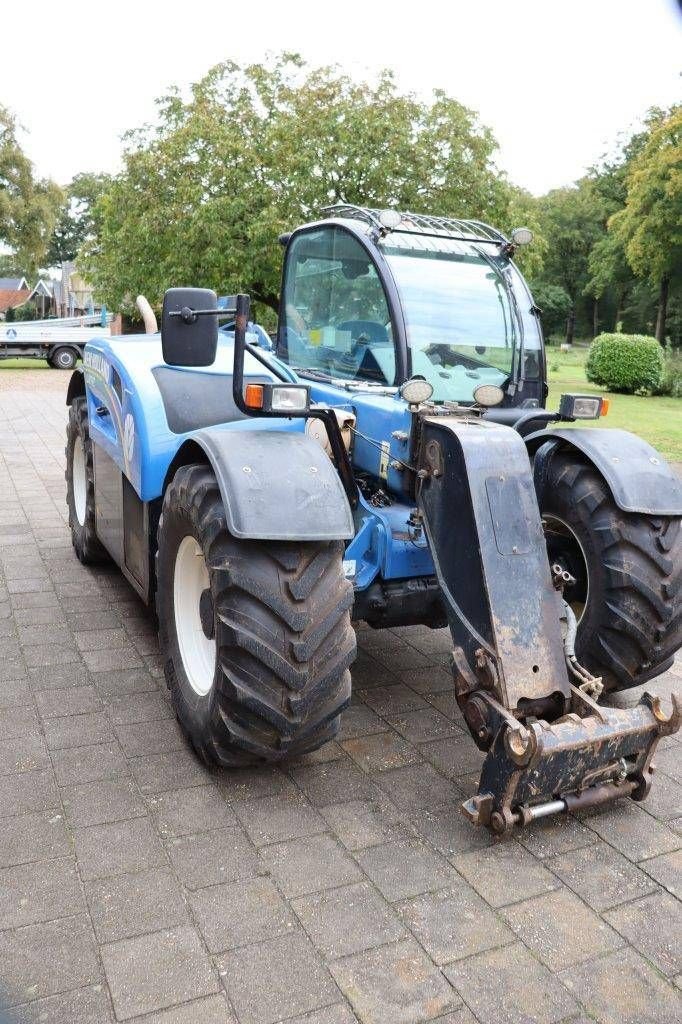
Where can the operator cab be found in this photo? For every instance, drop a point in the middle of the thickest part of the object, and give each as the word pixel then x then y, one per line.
pixel 440 299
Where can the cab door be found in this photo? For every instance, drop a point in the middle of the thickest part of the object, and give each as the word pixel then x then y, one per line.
pixel 335 317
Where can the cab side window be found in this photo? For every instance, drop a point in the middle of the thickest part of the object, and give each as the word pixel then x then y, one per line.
pixel 335 316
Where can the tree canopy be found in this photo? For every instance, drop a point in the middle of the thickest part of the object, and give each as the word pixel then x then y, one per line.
pixel 256 150
pixel 28 205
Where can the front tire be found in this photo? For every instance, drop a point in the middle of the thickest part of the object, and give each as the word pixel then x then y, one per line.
pixel 80 485
pixel 628 596
pixel 255 635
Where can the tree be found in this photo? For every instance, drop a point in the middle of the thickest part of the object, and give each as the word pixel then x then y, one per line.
pixel 649 227
pixel 572 220
pixel 28 206
pixel 257 150
pixel 77 223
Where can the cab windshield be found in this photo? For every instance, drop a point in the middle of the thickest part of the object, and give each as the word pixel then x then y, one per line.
pixel 466 316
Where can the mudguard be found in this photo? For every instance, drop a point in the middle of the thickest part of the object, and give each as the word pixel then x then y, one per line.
pixel 638 476
pixel 76 386
pixel 277 485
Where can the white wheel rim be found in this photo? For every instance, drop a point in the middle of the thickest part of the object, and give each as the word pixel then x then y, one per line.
pixel 65 359
pixel 79 480
pixel 190 580
pixel 549 516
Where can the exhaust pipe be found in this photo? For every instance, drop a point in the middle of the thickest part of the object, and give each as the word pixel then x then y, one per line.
pixel 148 315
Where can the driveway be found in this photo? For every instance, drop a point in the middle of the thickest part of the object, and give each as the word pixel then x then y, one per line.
pixel 137 885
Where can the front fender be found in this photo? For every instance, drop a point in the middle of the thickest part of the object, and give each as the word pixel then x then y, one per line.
pixel 638 476
pixel 277 485
pixel 76 387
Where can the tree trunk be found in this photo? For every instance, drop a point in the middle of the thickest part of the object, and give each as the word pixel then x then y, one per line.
pixel 662 309
pixel 570 325
pixel 622 296
pixel 595 317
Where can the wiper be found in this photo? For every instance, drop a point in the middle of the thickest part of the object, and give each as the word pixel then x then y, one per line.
pixel 303 371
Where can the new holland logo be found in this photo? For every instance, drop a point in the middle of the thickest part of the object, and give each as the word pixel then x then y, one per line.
pixel 128 438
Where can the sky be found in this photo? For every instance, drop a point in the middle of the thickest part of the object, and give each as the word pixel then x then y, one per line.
pixel 557 82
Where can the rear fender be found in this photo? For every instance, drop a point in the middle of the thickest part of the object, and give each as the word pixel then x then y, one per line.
pixel 76 388
pixel 276 485
pixel 638 476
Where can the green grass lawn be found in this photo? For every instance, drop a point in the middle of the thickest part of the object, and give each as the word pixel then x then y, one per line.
pixel 657 419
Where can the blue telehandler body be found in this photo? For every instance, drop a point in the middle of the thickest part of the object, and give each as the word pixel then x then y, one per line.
pixel 387 457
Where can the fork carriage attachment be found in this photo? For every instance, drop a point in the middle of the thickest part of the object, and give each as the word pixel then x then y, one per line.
pixel 550 747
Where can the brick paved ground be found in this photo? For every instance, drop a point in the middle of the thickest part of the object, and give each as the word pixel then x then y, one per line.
pixel 134 884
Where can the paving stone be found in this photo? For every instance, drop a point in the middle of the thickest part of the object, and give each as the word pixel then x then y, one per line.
pixel 138 707
pixel 453 756
pixel 59 677
pixel 381 751
pixel 362 823
pixel 12 669
pixel 508 986
pixel 561 833
pixel 560 930
pixel 17 722
pixel 601 876
pixel 275 818
pixel 522 874
pixel 108 660
pixel 83 1006
pixel 138 739
pixel 43 959
pixel 623 989
pixel 30 893
pixel 653 925
pixel 325 783
pixel 308 865
pixel 211 1010
pixel 667 871
pixel 100 639
pixel 181 811
pixel 92 619
pixel 422 726
pixel 276 979
pixel 392 700
pixel 97 803
pixel 212 858
pixel 51 655
pixel 155 971
pixel 116 848
pixel 30 837
pixel 394 984
pixel 23 754
pixel 338 1014
pixel 359 720
pixel 454 923
pixel 449 832
pixel 348 920
pixel 78 730
pixel 127 681
pixel 162 772
pixel 240 785
pixel 405 868
pixel 632 831
pixel 240 913
pixel 133 904
pixel 75 700
pixel 30 791
pixel 14 692
pixel 89 764
pixel 420 788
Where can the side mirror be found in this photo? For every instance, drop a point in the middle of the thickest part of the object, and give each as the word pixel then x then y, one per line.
pixel 189 332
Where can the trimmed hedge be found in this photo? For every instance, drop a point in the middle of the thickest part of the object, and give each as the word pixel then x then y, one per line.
pixel 631 363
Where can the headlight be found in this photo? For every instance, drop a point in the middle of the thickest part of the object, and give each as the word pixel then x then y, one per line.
pixel 582 407
pixel 287 398
pixel 522 236
pixel 416 390
pixel 488 395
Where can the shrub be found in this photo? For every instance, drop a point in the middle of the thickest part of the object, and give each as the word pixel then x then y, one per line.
pixel 631 363
pixel 671 381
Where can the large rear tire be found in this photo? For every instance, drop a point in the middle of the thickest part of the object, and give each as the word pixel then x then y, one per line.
pixel 80 485
pixel 255 635
pixel 628 567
